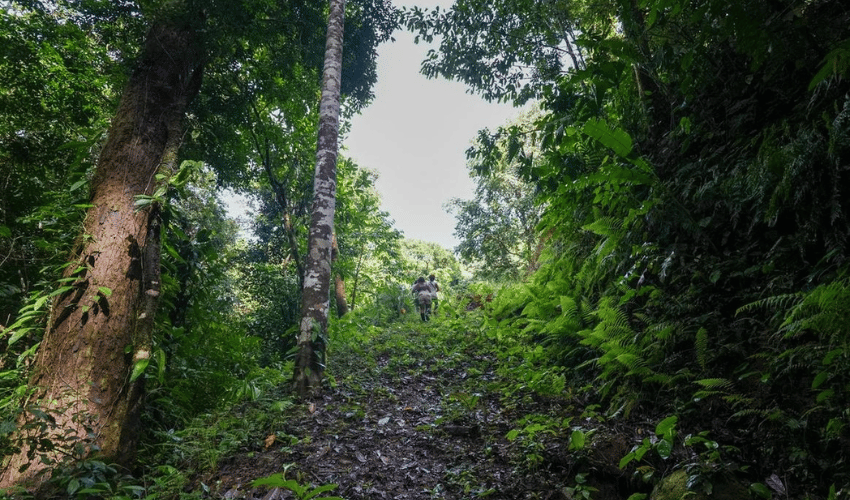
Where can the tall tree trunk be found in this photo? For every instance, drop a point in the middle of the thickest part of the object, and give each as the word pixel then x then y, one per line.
pixel 339 283
pixel 651 93
pixel 101 327
pixel 315 299
pixel 286 211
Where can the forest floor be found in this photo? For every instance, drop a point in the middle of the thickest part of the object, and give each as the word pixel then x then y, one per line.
pixel 420 411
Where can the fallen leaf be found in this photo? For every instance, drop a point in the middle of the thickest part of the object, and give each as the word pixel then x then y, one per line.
pixel 269 441
pixel 775 484
pixel 312 408
pixel 360 457
pixel 384 421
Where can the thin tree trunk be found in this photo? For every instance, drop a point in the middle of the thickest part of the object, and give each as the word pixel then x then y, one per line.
pixel 101 327
pixel 283 203
pixel 357 277
pixel 650 92
pixel 315 299
pixel 339 283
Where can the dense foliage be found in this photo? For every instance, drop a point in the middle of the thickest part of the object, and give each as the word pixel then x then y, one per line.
pixel 498 228
pixel 673 223
pixel 696 196
pixel 65 61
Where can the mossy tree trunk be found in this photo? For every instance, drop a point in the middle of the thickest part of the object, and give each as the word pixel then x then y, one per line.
pixel 101 326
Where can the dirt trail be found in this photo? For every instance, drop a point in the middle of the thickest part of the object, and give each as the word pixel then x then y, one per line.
pixel 412 422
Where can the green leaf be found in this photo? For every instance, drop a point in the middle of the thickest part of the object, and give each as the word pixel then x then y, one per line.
pixel 664 448
pixel 713 383
pixel 107 292
pixel 160 362
pixel 5 231
pixel 278 481
pixel 139 368
pixel 824 395
pixel 60 291
pixel 666 426
pixel 577 440
pixel 17 334
pixel 142 201
pixel 319 490
pixel 820 378
pixel 836 62
pixel 617 140
pixel 73 486
pixel 760 490
pixel 186 168
pixel 627 459
pixel 40 302
pixel 830 356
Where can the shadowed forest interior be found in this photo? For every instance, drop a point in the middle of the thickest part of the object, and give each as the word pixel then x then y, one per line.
pixel 650 296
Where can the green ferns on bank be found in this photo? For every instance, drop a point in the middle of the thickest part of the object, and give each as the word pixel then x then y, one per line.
pixel 653 302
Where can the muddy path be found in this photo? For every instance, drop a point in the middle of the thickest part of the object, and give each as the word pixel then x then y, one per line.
pixel 409 417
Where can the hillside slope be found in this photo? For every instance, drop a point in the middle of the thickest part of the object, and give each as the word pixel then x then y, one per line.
pixel 417 412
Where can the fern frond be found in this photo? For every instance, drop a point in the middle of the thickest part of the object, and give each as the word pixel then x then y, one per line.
pixel 714 383
pixel 659 378
pixel 701 345
pixel 774 303
pixel 755 412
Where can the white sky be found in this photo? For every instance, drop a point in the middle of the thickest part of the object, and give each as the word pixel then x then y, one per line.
pixel 415 135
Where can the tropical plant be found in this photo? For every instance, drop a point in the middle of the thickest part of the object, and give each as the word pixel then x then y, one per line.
pixel 688 170
pixel 498 228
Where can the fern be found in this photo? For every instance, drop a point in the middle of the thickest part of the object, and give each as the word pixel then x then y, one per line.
pixel 775 303
pixel 701 344
pixel 714 383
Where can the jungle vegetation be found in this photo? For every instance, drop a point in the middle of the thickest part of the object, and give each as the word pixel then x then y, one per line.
pixel 676 212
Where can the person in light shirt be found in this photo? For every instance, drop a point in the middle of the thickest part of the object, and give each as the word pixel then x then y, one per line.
pixel 422 291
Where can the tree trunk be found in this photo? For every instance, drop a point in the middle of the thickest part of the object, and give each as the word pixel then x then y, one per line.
pixel 101 327
pixel 315 299
pixel 286 211
pixel 650 92
pixel 339 283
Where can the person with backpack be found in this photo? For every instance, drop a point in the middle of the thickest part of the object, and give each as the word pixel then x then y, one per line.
pixel 422 293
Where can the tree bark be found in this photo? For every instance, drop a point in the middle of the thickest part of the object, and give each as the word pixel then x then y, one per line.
pixel 315 299
pixel 650 92
pixel 101 327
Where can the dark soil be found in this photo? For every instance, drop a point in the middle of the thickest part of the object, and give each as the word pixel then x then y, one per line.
pixel 405 420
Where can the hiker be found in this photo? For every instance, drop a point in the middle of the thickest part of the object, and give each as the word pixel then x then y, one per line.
pixel 435 287
pixel 422 293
